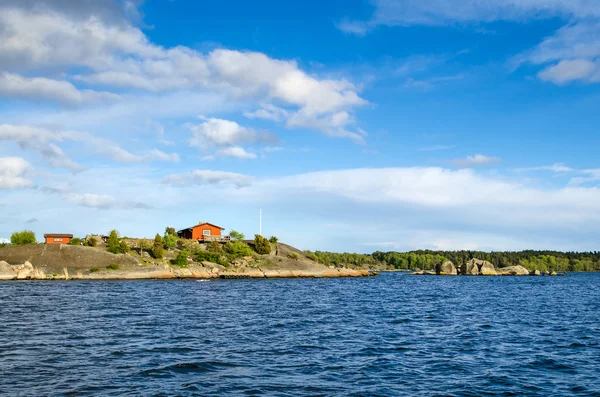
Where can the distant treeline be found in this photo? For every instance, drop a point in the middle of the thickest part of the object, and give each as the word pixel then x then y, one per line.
pixel 427 259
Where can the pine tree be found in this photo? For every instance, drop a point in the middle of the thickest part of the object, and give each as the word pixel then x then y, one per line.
pixel 113 242
pixel 157 249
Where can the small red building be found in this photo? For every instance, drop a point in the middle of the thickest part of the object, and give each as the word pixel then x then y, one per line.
pixel 203 232
pixel 55 238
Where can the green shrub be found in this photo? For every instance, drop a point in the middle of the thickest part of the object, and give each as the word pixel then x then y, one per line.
pixel 205 256
pixel 181 259
pixel 311 256
pixel 273 240
pixel 76 241
pixel 170 231
pixel 94 270
pixel 169 241
pixel 213 246
pixel 123 247
pixel 112 267
pixel 236 236
pixel 294 256
pixel 261 245
pixel 237 249
pixel 92 242
pixel 24 237
pixel 157 249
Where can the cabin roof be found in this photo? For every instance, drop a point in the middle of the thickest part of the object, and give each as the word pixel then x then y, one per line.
pixel 202 224
pixel 46 235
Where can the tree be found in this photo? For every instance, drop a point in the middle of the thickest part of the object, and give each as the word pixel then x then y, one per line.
pixel 181 259
pixel 157 249
pixel 236 236
pixel 169 241
pixel 170 231
pixel 92 241
pixel 113 244
pixel 144 246
pixel 24 237
pixel 273 240
pixel 261 245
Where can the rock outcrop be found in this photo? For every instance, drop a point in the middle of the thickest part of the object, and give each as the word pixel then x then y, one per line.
pixel 446 269
pixel 513 271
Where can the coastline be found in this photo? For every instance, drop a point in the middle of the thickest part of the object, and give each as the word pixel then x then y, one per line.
pixel 63 262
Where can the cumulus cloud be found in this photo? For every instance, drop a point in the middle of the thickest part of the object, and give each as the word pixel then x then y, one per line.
pixel 210 177
pixel 219 137
pixel 40 88
pixel 4 240
pixel 103 202
pixel 571 70
pixel 119 55
pixel 13 173
pixel 477 160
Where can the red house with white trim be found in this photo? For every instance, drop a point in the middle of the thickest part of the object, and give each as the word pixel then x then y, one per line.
pixel 203 232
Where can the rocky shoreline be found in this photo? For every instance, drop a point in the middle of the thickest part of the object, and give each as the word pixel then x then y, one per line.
pixel 43 262
pixel 477 267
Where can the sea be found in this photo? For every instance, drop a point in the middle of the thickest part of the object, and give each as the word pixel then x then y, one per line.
pixel 390 335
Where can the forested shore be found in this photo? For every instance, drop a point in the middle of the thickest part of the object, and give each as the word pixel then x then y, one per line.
pixel 428 259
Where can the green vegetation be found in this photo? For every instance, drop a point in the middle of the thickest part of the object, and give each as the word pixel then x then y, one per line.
pixel 76 241
pixel 214 246
pixel 170 231
pixel 206 256
pixel 532 260
pixel 261 245
pixel 114 245
pixel 24 237
pixel 311 256
pixel 273 240
pixel 237 249
pixel 94 270
pixel 426 259
pixel 181 259
pixel 236 236
pixel 169 241
pixel 112 267
pixel 157 249
pixel 92 242
pixel 294 256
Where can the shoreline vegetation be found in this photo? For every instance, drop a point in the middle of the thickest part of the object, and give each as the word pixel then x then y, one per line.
pixel 168 256
pixel 164 257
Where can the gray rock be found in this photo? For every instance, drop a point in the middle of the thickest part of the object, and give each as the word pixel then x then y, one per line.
pixel 535 273
pixel 513 271
pixel 6 271
pixel 447 268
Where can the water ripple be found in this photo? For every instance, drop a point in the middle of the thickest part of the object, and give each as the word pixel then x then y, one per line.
pixel 392 335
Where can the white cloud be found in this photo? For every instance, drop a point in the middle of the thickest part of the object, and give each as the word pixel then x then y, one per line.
pixel 475 161
pixel 268 112
pixel 40 88
pixel 557 168
pixel 13 173
pixel 42 140
pixel 219 132
pixel 237 152
pixel 4 241
pixel 121 56
pixel 571 70
pixel 103 201
pixel 202 177
pixel 592 175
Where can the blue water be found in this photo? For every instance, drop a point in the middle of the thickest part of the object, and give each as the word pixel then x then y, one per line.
pixel 393 335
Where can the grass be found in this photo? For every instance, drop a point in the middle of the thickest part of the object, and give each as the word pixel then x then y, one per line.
pixel 112 267
pixel 94 270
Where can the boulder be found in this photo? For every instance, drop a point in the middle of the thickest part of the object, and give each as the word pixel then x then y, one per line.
pixel 535 273
pixel 554 274
pixel 6 271
pixel 24 271
pixel 513 271
pixel 471 268
pixel 447 268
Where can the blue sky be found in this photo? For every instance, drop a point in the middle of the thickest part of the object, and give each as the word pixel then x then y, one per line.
pixel 354 125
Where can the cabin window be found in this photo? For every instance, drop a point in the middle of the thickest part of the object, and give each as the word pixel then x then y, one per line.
pixel 206 232
pixel 58 240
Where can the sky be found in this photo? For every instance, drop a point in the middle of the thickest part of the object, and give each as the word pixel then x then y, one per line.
pixel 357 125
